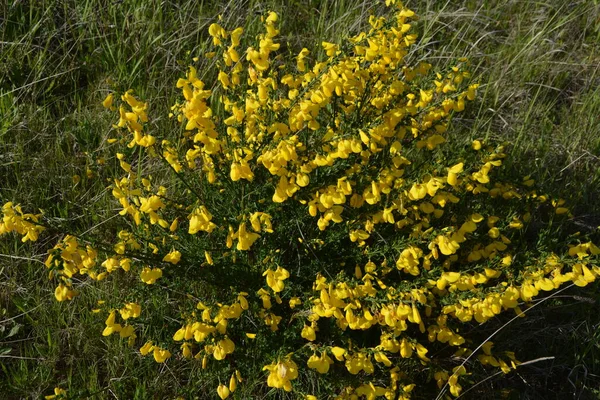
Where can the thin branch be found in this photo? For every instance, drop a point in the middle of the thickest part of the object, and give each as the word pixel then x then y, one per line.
pixel 20 315
pixel 500 372
pixel 21 258
pixel 439 396
pixel 22 358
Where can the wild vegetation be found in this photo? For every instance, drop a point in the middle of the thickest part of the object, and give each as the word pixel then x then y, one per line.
pixel 347 200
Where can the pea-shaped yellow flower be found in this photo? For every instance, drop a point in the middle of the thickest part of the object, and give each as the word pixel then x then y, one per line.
pixel 62 293
pixel 453 173
pixel 308 333
pixel 223 392
pixel 281 374
pixel 147 348
pixel 222 348
pixel 173 257
pixel 161 355
pixel 245 237
pixel 338 352
pixel 149 276
pixel 321 364
pixel 275 278
pixel 131 310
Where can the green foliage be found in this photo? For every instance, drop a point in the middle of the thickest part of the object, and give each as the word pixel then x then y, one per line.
pixel 140 51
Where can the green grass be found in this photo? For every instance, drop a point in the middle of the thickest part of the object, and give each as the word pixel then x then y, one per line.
pixel 539 68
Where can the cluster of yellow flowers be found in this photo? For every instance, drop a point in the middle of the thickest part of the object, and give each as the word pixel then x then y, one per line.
pixel 130 310
pixel 282 373
pixel 14 220
pixel 400 244
pixel 68 258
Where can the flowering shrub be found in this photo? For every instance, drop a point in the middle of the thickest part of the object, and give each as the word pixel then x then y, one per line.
pixel 314 224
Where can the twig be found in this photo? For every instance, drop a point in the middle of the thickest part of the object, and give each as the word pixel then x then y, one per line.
pixel 97 225
pixel 439 396
pixel 571 163
pixel 500 372
pixel 22 358
pixel 39 80
pixel 304 239
pixel 21 258
pixel 20 315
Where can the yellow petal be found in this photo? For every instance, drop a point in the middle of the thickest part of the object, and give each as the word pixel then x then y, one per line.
pixel 223 391
pixel 108 101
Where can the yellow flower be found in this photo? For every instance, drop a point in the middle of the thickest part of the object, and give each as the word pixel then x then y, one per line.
pixel 272 17
pixel 111 326
pixel 417 192
pixel 216 31
pixel 447 246
pixel 161 355
pixel 275 278
pixel 245 238
pixel 127 331
pixel 200 221
pixel 308 333
pixel 405 349
pixel 149 276
pixel 382 358
pixel 359 362
pixel 421 351
pixel 281 374
pixel 186 350
pixel 62 293
pixel 330 48
pixel 338 353
pixel 58 394
pixel 153 203
pixel 321 364
pixel 146 348
pixel 173 257
pixel 208 257
pixel 235 36
pixel 453 173
pixel 295 301
pixel 223 391
pixel 302 180
pixel 108 101
pixel 241 170
pixel 131 310
pixel 222 348
pixel 300 59
pixel 232 383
